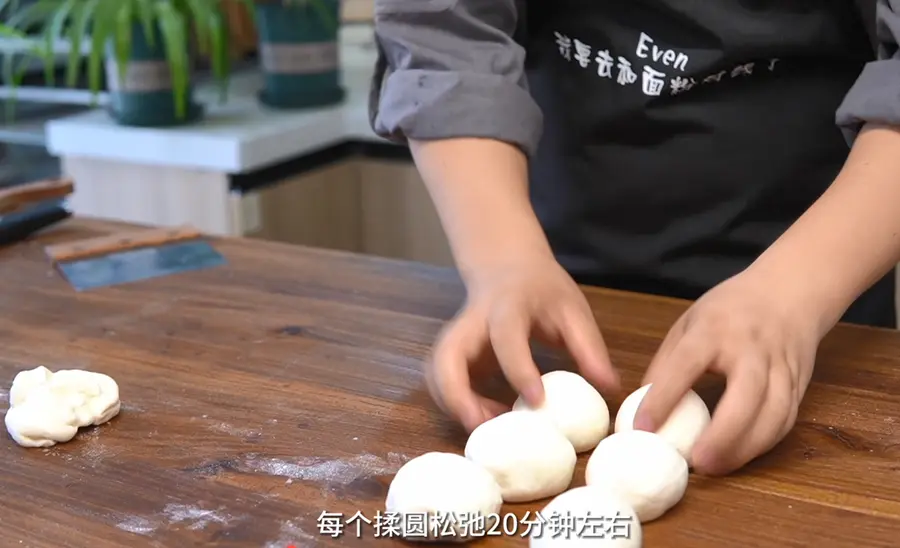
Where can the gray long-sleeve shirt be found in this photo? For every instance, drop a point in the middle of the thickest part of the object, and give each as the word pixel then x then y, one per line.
pixel 453 68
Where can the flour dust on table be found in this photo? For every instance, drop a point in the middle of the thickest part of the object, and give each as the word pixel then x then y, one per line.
pixel 46 408
pixel 337 471
pixel 194 517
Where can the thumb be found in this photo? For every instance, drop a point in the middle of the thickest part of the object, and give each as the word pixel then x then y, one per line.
pixel 584 342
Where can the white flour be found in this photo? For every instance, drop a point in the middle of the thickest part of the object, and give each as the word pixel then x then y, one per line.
pixel 196 517
pixel 342 471
pixel 92 449
pixel 137 525
pixel 86 449
pixel 330 471
pixel 291 533
pixel 232 430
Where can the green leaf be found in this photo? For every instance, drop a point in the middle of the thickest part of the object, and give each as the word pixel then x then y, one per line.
pixel 52 33
pixel 145 14
pixel 104 24
pixel 174 32
pixel 32 14
pixel 122 43
pixel 77 29
pixel 220 54
pixel 199 12
pixel 13 75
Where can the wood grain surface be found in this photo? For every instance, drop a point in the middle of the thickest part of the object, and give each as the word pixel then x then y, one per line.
pixel 258 395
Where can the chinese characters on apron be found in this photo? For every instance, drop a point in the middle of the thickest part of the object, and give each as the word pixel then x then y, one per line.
pixel 653 82
pixel 682 138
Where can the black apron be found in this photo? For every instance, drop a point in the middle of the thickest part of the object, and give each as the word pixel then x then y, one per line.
pixel 682 138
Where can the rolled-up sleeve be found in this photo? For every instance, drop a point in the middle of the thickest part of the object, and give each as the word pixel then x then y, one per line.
pixel 875 97
pixel 451 68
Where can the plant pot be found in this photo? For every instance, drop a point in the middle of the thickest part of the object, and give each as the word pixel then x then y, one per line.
pixel 299 55
pixel 145 97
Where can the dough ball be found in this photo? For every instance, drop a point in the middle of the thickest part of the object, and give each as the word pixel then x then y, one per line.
pixel 575 407
pixel 642 468
pixel 527 455
pixel 26 381
pixel 587 516
pixel 684 425
pixel 458 496
pixel 47 408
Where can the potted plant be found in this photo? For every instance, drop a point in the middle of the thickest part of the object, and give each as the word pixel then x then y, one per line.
pixel 17 55
pixel 299 52
pixel 145 47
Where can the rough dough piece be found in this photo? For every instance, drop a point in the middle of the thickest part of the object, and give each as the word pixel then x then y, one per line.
pixel 527 455
pixel 461 499
pixel 47 408
pixel 587 516
pixel 683 427
pixel 642 468
pixel 575 407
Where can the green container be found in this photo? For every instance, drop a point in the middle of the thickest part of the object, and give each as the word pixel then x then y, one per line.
pixel 149 107
pixel 298 50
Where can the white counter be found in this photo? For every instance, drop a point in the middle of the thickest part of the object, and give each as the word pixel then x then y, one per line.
pixel 237 136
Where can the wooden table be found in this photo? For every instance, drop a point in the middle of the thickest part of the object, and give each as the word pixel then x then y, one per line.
pixel 260 394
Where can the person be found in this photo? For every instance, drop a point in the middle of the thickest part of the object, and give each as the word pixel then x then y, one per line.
pixel 691 149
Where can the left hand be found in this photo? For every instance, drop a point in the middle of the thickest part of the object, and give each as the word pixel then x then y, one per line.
pixel 764 346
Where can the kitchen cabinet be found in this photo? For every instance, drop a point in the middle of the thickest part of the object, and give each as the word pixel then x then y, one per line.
pixel 398 217
pixel 320 208
pixel 377 207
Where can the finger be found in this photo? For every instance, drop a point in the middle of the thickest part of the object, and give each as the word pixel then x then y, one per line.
pixel 449 383
pixel 672 379
pixel 788 398
pixel 510 335
pixel 585 343
pixel 745 392
pixel 492 408
pixel 764 434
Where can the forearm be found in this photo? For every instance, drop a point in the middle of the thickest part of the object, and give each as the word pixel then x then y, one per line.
pixel 848 239
pixel 851 236
pixel 480 190
pixel 451 82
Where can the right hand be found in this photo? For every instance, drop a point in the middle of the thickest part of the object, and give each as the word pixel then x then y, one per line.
pixel 505 308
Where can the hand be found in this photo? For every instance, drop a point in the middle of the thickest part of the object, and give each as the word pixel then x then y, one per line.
pixel 765 347
pixel 505 308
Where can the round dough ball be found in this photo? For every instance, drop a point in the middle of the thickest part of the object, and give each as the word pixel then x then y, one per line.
pixel 642 468
pixel 587 516
pixel 458 496
pixel 527 455
pixel 684 425
pixel 575 407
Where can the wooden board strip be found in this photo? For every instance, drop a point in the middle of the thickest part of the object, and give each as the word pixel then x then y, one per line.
pixel 18 197
pixel 103 245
